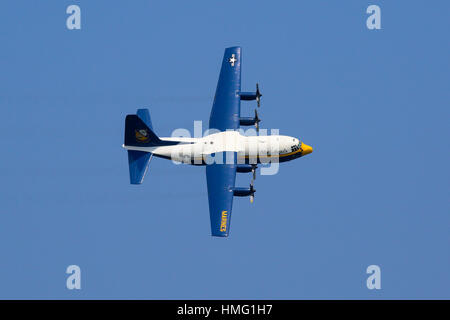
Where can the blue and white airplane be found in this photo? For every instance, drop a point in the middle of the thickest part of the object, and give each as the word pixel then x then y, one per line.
pixel 224 151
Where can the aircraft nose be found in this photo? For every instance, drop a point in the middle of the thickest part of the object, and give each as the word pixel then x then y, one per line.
pixel 306 149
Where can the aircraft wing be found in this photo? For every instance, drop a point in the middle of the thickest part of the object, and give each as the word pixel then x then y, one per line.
pixel 227 103
pixel 220 180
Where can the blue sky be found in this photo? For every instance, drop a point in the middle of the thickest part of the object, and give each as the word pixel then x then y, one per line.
pixel 374 104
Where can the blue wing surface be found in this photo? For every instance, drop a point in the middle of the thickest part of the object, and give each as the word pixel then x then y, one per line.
pixel 227 103
pixel 220 180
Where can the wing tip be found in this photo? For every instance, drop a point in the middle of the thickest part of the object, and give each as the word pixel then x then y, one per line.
pixel 220 235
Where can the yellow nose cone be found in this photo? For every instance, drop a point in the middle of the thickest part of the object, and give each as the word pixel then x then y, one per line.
pixel 306 149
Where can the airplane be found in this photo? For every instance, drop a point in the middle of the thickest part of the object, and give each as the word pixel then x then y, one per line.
pixel 224 151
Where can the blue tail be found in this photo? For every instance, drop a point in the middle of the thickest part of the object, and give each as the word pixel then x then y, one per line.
pixel 138 132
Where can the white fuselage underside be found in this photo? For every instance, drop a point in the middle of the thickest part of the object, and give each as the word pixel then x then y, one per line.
pixel 195 149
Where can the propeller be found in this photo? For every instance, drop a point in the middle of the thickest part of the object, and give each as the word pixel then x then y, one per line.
pixel 254 167
pixel 257 121
pixel 258 96
pixel 252 192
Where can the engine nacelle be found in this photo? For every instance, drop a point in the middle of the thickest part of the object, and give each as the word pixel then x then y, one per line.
pixel 251 95
pixel 248 96
pixel 244 168
pixel 250 121
pixel 247 121
pixel 243 192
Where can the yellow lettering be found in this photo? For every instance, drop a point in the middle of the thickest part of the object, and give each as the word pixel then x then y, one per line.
pixel 223 222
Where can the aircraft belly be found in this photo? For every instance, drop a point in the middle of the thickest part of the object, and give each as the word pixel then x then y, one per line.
pixel 249 149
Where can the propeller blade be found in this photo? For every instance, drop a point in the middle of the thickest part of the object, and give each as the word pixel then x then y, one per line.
pixel 252 195
pixel 257 121
pixel 254 171
pixel 252 189
pixel 258 96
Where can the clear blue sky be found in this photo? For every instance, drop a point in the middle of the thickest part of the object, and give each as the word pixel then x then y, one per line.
pixel 373 104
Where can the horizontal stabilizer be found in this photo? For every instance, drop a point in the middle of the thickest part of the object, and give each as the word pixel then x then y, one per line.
pixel 138 162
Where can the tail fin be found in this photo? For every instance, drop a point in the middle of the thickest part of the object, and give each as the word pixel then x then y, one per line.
pixel 138 132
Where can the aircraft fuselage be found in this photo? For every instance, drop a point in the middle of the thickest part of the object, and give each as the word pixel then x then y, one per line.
pixel 249 149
